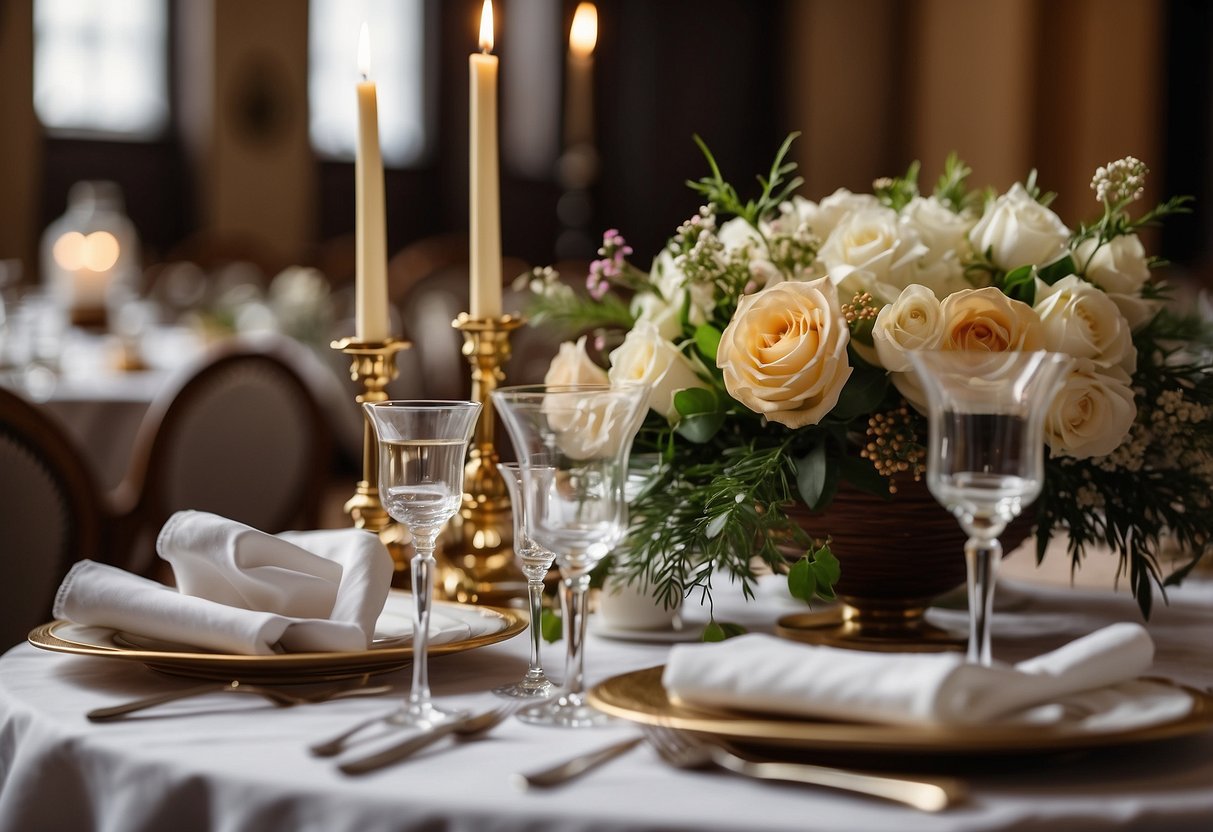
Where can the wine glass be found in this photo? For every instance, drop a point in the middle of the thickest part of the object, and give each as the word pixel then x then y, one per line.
pixel 422 445
pixel 573 443
pixel 986 455
pixel 535 561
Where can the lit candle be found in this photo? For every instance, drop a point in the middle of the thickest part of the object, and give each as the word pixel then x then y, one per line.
pixel 579 95
pixel 370 235
pixel 484 199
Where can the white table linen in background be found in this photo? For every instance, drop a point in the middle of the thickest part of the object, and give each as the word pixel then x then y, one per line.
pixel 236 763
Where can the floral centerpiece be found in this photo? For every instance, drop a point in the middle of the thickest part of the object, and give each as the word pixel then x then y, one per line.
pixel 774 332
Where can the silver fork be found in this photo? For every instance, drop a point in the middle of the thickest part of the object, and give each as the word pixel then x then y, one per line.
pixel 469 727
pixel 680 749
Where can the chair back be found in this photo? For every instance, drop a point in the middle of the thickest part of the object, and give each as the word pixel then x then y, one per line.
pixel 51 514
pixel 240 434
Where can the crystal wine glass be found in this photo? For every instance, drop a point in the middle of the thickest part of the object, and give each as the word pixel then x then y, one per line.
pixel 573 443
pixel 422 445
pixel 535 562
pixel 986 456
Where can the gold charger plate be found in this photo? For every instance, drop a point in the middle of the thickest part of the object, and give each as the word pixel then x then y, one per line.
pixel 639 696
pixel 488 625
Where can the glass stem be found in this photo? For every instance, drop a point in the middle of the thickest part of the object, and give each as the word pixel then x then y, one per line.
pixel 535 593
pixel 982 555
pixel 422 570
pixel 574 595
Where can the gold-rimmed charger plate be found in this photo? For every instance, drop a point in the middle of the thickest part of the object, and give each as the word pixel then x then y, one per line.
pixel 486 625
pixel 639 696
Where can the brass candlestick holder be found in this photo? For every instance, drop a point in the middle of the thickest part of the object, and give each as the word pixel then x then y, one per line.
pixel 478 552
pixel 373 366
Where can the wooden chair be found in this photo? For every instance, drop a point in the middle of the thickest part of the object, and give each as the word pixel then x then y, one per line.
pixel 51 514
pixel 241 434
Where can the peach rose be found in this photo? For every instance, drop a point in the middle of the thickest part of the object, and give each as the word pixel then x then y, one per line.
pixel 784 353
pixel 986 319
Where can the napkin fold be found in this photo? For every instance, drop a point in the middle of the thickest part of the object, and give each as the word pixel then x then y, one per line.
pixel 241 590
pixel 768 674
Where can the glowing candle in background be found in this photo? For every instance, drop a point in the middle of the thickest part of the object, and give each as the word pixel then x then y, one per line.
pixel 579 93
pixel 484 196
pixel 370 224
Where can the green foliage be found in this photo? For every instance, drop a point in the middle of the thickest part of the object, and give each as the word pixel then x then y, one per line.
pixel 573 313
pixel 776 186
pixel 550 626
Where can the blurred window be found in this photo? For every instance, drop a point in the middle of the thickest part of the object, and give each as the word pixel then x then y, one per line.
pixel 397 68
pixel 102 67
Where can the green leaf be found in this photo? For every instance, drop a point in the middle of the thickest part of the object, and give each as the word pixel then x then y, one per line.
pixel 713 632
pixel 1056 271
pixel 1020 284
pixel 863 391
pixel 700 427
pixel 707 341
pixel 826 568
pixel 550 626
pixel 695 400
pixel 811 474
pixel 802 583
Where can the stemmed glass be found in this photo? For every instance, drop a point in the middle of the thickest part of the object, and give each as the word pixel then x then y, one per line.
pixel 573 443
pixel 986 455
pixel 535 562
pixel 422 445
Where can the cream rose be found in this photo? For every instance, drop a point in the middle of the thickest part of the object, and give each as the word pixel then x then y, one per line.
pixel 912 322
pixel 1079 319
pixel 784 353
pixel 871 251
pixel 944 234
pixel 592 425
pixel 1017 230
pixel 1092 414
pixel 823 217
pixel 986 319
pixel 646 357
pixel 1118 267
pixel 573 365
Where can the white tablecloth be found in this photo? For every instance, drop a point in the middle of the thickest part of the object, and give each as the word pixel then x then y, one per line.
pixel 241 764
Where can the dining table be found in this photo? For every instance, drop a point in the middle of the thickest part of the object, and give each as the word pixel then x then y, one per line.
pixel 239 763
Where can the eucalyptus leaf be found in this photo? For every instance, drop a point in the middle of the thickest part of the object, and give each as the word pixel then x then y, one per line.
pixel 700 427
pixel 695 400
pixel 811 474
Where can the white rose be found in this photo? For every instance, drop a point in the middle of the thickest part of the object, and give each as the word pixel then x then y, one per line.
pixel 647 306
pixel 572 365
pixel 1118 267
pixel 1017 230
pixel 987 320
pixel 1137 311
pixel 944 233
pixel 646 357
pixel 784 353
pixel 736 234
pixel 1080 320
pixel 591 424
pixel 912 322
pixel 870 250
pixel 824 217
pixel 675 288
pixel 1092 414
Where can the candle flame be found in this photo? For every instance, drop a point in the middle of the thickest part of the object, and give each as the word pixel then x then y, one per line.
pixel 583 35
pixel 486 26
pixel 364 51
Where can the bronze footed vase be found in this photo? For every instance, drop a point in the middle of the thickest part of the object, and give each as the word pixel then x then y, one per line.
pixel 897 555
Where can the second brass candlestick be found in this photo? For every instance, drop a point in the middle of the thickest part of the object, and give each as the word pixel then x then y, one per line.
pixel 478 554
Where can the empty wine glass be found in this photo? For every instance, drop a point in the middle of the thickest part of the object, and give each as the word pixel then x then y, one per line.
pixel 573 443
pixel 535 562
pixel 986 455
pixel 422 445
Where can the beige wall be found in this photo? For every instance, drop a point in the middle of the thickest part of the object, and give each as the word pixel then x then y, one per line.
pixel 20 149
pixel 244 119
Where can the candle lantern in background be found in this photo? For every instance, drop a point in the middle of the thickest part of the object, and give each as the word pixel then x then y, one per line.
pixel 578 166
pixel 90 252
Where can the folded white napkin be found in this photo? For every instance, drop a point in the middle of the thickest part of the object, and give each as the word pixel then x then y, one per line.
pixel 768 674
pixel 241 590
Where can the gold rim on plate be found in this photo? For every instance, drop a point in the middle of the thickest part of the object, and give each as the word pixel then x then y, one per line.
pixel 279 668
pixel 639 697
